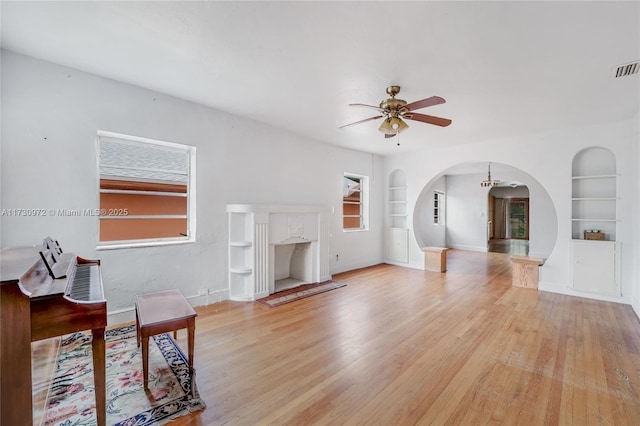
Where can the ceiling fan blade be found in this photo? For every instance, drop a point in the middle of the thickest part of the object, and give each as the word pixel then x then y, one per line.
pixel 438 121
pixel 369 106
pixel 389 135
pixel 361 121
pixel 434 100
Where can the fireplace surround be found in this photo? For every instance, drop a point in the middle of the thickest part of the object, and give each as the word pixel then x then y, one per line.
pixel 276 247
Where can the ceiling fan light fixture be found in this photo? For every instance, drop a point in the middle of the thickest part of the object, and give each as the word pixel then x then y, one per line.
pixel 385 127
pixel 393 125
pixel 398 125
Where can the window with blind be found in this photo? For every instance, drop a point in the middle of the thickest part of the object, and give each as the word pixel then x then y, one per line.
pixel 147 191
pixel 354 202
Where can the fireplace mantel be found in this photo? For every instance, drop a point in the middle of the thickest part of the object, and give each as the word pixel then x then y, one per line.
pixel 255 231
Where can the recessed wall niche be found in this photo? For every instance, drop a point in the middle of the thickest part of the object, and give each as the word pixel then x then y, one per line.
pixel 397 199
pixel 397 234
pixel 593 193
pixel 595 254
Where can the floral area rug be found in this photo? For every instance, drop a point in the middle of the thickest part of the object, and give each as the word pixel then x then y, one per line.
pixel 305 290
pixel 171 391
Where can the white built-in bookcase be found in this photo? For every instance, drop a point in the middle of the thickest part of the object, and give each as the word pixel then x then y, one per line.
pixel 595 264
pixel 397 241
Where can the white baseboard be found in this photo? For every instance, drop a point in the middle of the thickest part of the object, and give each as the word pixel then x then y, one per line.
pixel 468 248
pixel 570 292
pixel 352 267
pixel 394 262
pixel 121 316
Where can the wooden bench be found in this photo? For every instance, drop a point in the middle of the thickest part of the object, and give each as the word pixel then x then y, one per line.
pixel 162 312
pixel 435 259
pixel 525 271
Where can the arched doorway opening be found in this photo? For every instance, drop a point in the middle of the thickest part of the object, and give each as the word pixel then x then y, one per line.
pixel 463 209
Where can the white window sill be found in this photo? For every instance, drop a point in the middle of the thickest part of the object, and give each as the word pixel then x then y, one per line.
pixel 135 244
pixel 355 230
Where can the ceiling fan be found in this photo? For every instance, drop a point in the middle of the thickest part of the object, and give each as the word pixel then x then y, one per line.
pixel 395 110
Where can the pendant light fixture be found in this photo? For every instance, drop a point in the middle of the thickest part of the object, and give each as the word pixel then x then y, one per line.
pixel 489 183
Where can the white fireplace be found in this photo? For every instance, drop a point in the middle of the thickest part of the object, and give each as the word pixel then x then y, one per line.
pixel 273 248
pixel 292 265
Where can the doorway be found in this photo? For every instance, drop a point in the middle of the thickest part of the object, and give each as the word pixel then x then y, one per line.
pixel 518 223
pixel 508 221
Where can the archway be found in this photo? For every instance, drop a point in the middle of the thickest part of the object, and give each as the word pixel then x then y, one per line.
pixel 466 209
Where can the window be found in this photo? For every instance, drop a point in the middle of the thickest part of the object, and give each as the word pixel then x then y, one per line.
pixel 147 191
pixel 355 198
pixel 438 207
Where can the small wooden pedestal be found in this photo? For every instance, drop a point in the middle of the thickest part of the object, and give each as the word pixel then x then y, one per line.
pixel 435 259
pixel 525 271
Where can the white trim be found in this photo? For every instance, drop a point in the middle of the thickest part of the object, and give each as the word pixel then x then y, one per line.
pixel 134 192
pixel 190 195
pixel 113 135
pixel 364 202
pixel 116 245
pixel 594 177
pixel 570 292
pixel 469 248
pixel 147 216
pixel 274 208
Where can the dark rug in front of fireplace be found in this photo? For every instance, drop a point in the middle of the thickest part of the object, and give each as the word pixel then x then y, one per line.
pixel 293 294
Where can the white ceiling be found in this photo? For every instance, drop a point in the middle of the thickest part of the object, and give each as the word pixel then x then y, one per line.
pixel 504 68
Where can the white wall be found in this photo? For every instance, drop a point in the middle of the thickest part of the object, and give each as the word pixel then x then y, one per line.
pixel 547 158
pixel 636 215
pixel 429 234
pixel 466 213
pixel 509 192
pixel 50 115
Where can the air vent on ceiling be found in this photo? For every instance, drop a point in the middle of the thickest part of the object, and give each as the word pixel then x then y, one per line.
pixel 626 69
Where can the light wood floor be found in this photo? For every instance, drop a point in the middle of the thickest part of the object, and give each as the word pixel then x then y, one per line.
pixel 400 346
pixel 509 246
pixel 403 346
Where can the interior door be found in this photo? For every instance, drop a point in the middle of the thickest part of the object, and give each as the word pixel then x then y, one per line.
pixel 519 218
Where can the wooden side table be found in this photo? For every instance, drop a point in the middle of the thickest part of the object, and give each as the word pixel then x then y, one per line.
pixel 162 312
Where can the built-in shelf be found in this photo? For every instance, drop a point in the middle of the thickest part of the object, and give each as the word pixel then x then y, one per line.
pixel 397 234
pixel 594 193
pixel 241 253
pixel 595 264
pixel 594 177
pixel 240 243
pixel 398 205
